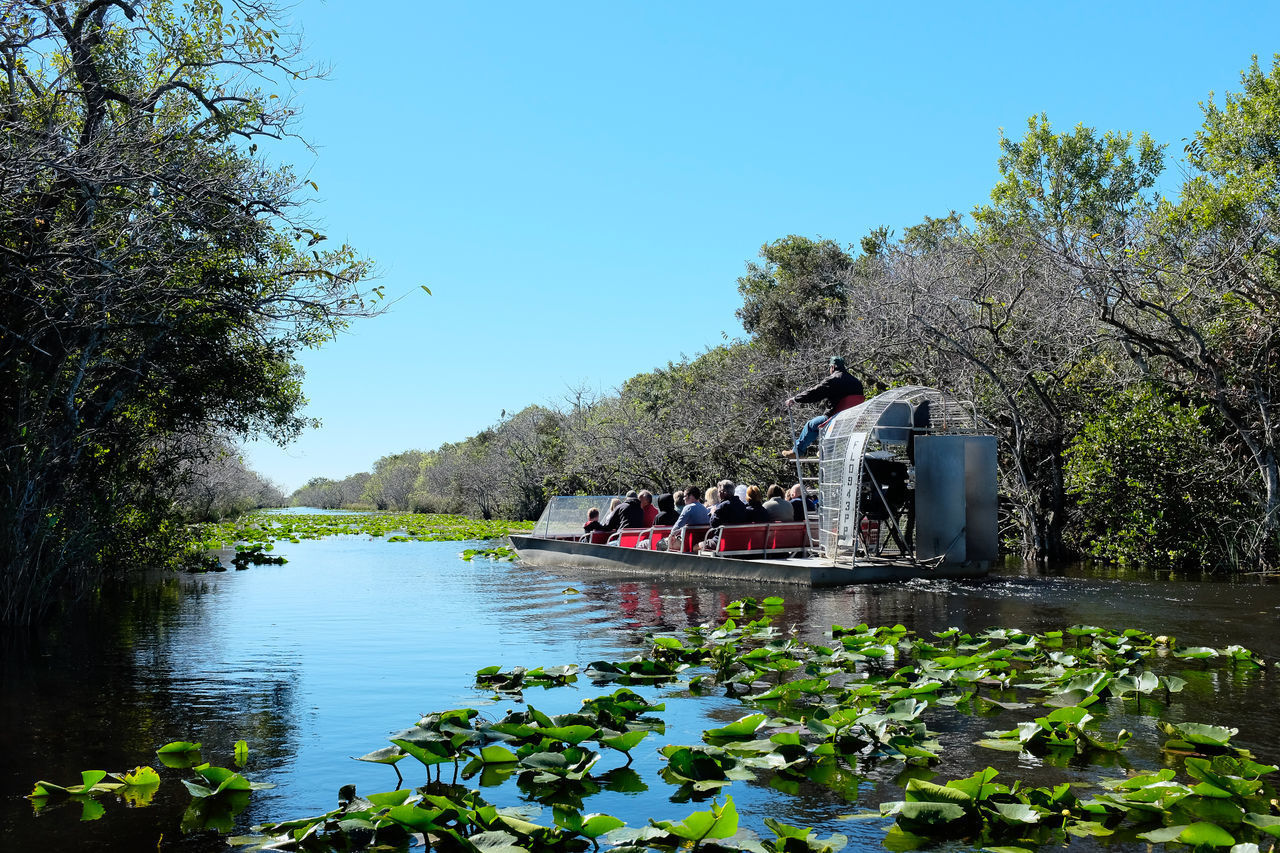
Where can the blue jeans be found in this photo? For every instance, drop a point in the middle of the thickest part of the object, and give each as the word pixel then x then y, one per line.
pixel 809 434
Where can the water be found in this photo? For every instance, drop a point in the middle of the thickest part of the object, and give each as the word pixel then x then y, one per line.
pixel 320 659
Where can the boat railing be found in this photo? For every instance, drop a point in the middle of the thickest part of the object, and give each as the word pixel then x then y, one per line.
pixel 767 539
pixel 637 537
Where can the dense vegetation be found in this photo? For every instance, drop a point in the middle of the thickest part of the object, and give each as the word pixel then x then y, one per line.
pixel 157 276
pixel 1122 342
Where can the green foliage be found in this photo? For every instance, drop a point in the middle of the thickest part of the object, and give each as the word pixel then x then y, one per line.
pixel 256 532
pixel 800 289
pixel 154 304
pixel 1237 151
pixel 1071 186
pixel 517 678
pixel 501 553
pixel 718 822
pixel 218 794
pixel 1146 480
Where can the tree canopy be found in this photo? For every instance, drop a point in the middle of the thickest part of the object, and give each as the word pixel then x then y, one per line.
pixel 157 273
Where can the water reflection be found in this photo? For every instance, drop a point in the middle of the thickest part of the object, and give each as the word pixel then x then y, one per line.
pixel 319 659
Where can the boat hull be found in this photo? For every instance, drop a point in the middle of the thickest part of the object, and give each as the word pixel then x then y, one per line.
pixel 804 571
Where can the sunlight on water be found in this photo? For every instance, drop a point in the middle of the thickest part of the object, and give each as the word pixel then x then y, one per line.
pixel 320 659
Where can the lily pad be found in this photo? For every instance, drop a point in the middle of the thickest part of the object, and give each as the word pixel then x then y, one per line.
pixel 1200 734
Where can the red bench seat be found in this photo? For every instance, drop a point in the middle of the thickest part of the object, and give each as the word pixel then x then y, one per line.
pixel 790 536
pixel 774 539
pixel 628 537
pixel 688 539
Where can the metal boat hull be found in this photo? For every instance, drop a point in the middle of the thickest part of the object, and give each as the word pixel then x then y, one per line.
pixel 806 571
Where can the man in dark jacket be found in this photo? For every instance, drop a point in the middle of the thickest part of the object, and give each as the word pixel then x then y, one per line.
pixel 629 513
pixel 840 390
pixel 731 509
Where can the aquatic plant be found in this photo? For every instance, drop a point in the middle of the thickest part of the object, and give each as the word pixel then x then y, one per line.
pixel 224 792
pixel 502 553
pixel 517 678
pixel 259 530
pixel 816 714
pixel 1229 798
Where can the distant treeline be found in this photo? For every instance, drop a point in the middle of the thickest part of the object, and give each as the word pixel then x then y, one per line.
pixel 217 485
pixel 1123 344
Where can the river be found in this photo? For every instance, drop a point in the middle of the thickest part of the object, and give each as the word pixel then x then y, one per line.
pixel 319 659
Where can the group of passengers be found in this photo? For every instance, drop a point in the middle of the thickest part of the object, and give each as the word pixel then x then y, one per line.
pixel 637 509
pixel 725 504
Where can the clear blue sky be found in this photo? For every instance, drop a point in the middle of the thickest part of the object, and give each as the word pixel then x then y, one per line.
pixel 581 184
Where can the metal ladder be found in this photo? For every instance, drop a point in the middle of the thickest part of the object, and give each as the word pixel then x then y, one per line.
pixel 815 545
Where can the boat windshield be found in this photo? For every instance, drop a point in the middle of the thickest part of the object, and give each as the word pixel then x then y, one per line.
pixel 565 514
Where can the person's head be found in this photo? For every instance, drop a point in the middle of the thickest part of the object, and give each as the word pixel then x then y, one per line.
pixel 593 513
pixel 753 495
pixel 794 493
pixel 692 495
pixel 677 497
pixel 775 491
pixel 741 491
pixel 646 497
pixel 666 502
pixel 836 363
pixel 631 496
pixel 725 489
pixel 615 503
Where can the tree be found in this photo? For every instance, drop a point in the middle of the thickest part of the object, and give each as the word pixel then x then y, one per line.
pixel 393 480
pixel 973 312
pixel 1188 287
pixel 1150 486
pixel 217 484
pixel 797 291
pixel 533 447
pixel 156 276
pixel 1059 193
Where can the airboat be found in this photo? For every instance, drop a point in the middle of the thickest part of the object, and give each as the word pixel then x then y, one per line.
pixel 904 486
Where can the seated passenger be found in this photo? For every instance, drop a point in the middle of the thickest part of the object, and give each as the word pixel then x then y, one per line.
pixel 667 514
pixel 777 507
pixel 694 514
pixel 593 522
pixel 797 503
pixel 613 518
pixel 646 504
pixel 630 512
pixel 730 510
pixel 755 511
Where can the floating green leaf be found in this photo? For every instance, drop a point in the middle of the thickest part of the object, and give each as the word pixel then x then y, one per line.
pixel 718 822
pixel 741 729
